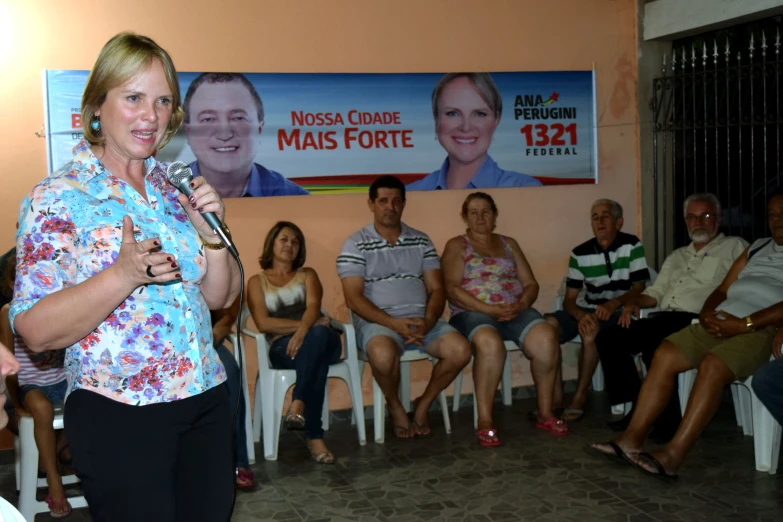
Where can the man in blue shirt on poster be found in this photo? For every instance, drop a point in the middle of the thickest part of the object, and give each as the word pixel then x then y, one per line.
pixel 224 117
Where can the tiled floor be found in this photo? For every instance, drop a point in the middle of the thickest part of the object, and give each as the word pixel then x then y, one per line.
pixel 533 476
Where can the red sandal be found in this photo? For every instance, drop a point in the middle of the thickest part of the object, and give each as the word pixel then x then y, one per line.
pixel 554 426
pixel 246 479
pixel 488 437
pixel 62 505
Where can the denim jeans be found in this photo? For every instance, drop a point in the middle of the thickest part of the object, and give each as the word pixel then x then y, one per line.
pixel 768 385
pixel 233 388
pixel 320 348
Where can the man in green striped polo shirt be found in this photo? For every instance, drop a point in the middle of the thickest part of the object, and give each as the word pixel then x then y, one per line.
pixel 611 269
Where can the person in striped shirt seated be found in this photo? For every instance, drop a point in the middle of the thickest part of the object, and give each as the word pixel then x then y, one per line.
pixel 392 283
pixel 611 268
pixel 40 387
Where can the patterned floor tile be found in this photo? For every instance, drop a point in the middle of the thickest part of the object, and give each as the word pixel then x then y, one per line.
pixel 532 476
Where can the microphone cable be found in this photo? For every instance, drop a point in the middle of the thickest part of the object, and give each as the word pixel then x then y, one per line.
pixel 239 356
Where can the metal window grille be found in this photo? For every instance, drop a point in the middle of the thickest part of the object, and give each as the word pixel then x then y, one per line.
pixel 717 128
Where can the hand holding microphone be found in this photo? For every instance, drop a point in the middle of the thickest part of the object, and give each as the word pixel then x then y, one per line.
pixel 202 203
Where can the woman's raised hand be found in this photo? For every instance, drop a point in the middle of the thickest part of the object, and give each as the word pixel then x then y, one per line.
pixel 142 262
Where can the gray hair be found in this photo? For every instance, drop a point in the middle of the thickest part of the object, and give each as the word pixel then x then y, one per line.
pixel 704 197
pixel 615 208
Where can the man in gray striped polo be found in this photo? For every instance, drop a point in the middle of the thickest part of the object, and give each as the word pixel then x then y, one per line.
pixel 393 285
pixel 611 268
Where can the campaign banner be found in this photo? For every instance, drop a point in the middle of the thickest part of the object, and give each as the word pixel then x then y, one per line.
pixel 266 134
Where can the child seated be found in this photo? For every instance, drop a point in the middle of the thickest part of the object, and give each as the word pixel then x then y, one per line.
pixel 41 386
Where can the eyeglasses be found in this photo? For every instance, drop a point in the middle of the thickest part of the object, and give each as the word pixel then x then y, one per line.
pixel 701 217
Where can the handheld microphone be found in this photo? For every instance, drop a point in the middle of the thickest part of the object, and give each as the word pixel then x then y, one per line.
pixel 180 175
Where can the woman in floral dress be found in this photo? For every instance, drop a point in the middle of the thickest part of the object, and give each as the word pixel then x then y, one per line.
pixel 491 291
pixel 120 270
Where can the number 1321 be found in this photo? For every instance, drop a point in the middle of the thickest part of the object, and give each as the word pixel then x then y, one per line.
pixel 542 133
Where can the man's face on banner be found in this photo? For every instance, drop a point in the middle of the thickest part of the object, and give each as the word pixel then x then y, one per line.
pixel 224 130
pixel 465 123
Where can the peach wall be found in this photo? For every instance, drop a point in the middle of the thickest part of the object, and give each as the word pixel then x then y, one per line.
pixel 349 36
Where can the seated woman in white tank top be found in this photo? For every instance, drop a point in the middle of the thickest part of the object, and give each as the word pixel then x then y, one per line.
pixel 285 302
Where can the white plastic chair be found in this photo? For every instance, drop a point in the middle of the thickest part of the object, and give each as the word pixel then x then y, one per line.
pixel 379 401
pixel 26 470
pixel 505 384
pixel 751 414
pixel 251 447
pixel 273 384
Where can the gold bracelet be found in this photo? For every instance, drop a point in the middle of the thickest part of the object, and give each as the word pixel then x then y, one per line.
pixel 216 246
pixel 213 246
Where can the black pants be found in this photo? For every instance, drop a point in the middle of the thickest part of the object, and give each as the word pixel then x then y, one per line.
pixel 617 346
pixel 157 463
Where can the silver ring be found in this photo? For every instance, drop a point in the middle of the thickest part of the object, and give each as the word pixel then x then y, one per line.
pixel 149 271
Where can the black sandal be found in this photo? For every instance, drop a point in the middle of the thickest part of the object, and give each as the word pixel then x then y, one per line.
pixel 660 472
pixel 618 452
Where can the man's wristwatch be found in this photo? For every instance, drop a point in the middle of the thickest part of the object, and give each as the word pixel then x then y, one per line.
pixel 749 324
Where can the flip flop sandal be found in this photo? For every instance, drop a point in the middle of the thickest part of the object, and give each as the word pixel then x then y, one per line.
pixel 577 414
pixel 294 422
pixel 532 415
pixel 554 426
pixel 61 505
pixel 661 472
pixel 618 452
pixel 246 479
pixel 488 437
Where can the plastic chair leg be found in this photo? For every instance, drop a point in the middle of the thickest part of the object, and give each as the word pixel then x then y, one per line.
pixel 457 393
pixel 360 372
pixel 258 416
pixel 357 401
pixel 17 463
pixel 379 413
pixel 475 411
pixel 444 406
pixel 685 382
pixel 271 419
pixel 29 469
pixel 405 385
pixel 598 378
pixel 325 412
pixel 506 381
pixel 735 399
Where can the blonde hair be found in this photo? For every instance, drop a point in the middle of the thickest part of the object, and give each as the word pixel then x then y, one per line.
pixel 121 59
pixel 484 84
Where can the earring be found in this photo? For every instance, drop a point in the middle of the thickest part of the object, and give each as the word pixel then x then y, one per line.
pixel 96 125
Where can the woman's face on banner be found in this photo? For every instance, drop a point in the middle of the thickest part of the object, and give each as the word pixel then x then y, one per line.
pixel 465 123
pixel 224 130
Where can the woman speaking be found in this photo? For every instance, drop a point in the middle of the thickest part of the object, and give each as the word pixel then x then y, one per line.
pixel 120 270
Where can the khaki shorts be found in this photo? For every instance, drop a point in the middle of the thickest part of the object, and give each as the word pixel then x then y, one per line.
pixel 743 354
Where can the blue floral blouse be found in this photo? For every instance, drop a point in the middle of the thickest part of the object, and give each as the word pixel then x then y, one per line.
pixel 157 345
